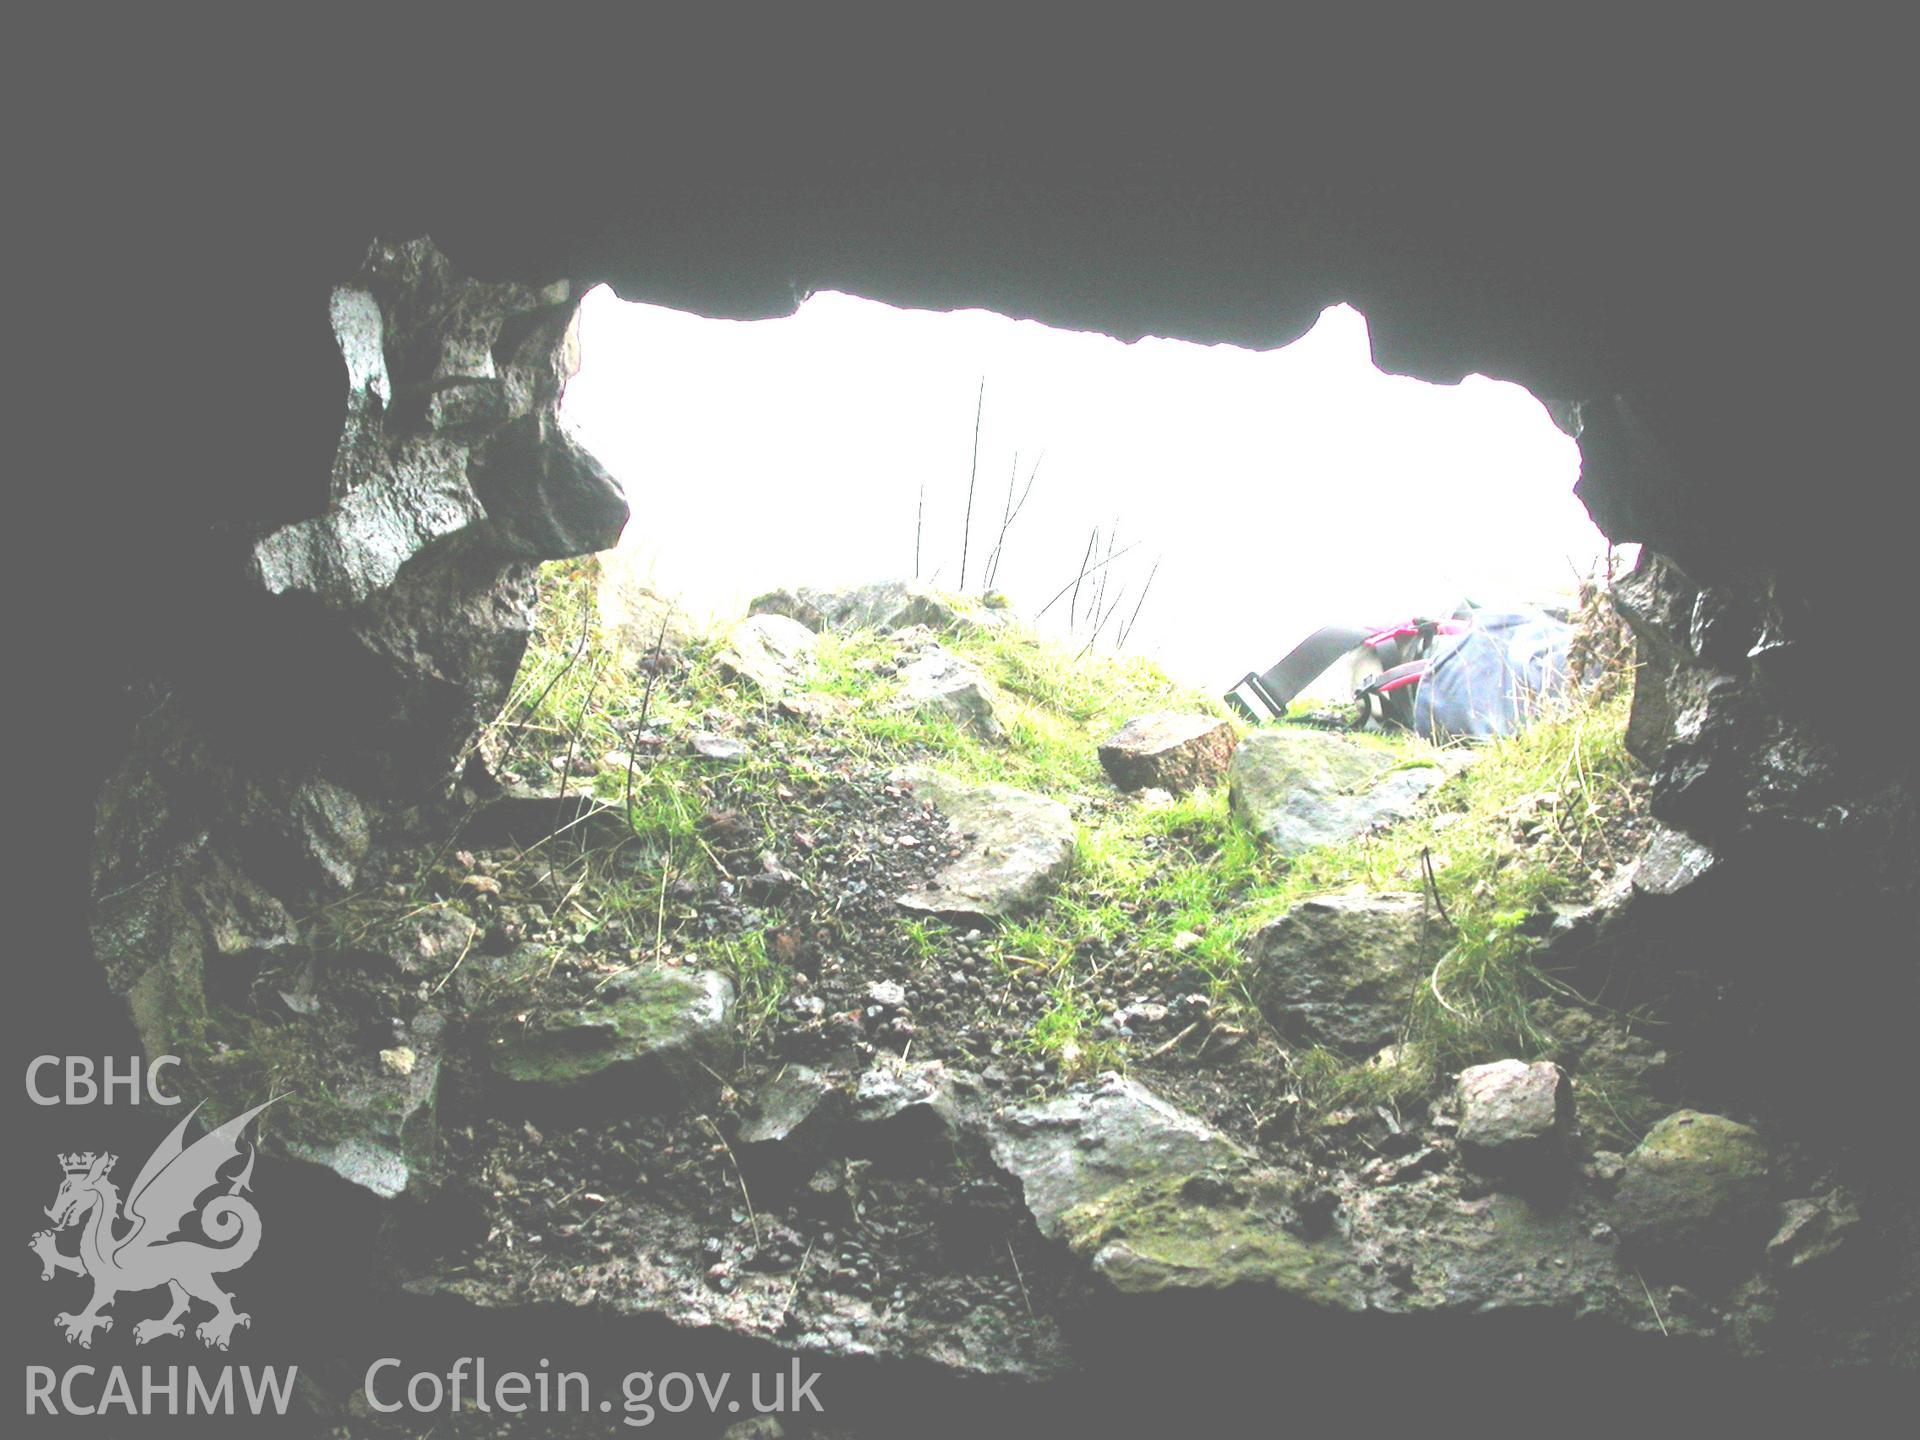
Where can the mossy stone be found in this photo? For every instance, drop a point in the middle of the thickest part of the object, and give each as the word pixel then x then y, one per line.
pixel 1694 1192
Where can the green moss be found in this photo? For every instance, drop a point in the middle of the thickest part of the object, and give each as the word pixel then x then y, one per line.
pixel 648 1013
pixel 1160 1235
pixel 243 1060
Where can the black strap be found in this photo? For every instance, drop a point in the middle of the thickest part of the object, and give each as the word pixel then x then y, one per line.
pixel 1305 663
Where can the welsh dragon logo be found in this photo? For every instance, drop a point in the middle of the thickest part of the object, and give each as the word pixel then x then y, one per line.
pixel 148 1252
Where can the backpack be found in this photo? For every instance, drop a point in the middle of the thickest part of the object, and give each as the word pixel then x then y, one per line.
pixel 1479 673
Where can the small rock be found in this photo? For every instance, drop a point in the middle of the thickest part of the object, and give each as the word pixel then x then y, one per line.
pixel 1510 1110
pixel 1090 1141
pixel 1168 751
pixel 644 1042
pixel 921 1102
pixel 1672 862
pixel 636 617
pixel 1604 1167
pixel 399 1061
pixel 1811 1235
pixel 815 709
pixel 716 747
pixel 941 682
pixel 431 942
pixel 785 1106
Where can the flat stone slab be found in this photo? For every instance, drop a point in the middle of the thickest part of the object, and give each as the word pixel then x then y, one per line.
pixel 1155 1200
pixel 525 813
pixel 1298 788
pixel 1018 848
pixel 709 746
pixel 1168 751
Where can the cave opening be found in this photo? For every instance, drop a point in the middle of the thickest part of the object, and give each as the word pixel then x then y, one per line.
pixel 1220 502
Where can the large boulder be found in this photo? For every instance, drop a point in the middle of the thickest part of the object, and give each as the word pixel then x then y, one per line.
pixel 1168 751
pixel 410 583
pixel 1016 849
pixel 1340 970
pixel 940 682
pixel 770 652
pixel 1298 788
pixel 1694 1192
pixel 644 1042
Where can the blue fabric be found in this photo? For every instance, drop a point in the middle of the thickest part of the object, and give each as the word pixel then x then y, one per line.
pixel 1495 678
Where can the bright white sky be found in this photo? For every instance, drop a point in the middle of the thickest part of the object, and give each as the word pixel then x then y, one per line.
pixel 1280 490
